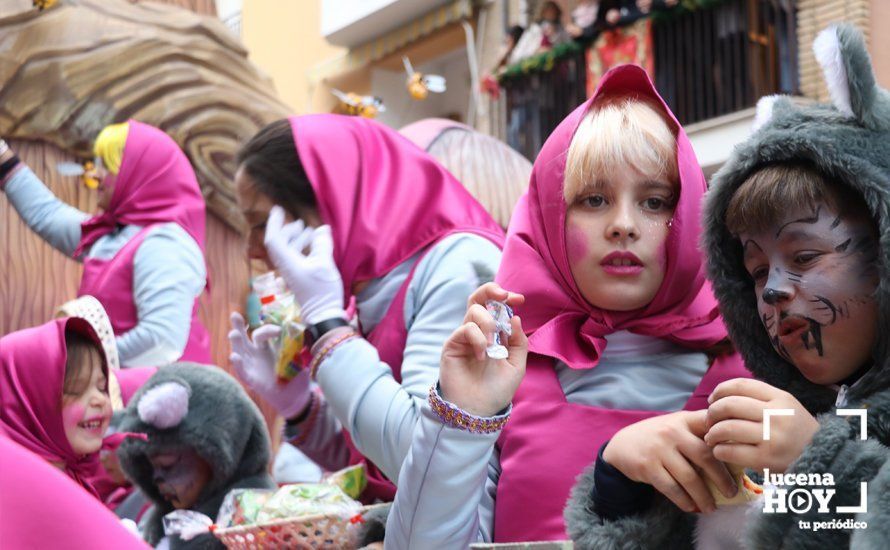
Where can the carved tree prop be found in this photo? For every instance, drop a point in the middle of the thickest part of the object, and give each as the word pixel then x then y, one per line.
pixel 69 70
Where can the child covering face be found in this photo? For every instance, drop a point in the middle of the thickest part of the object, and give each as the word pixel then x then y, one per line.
pixel 54 393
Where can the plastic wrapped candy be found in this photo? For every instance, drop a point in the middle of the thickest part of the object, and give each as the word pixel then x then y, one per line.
pixel 352 480
pixel 501 313
pixel 241 506
pixel 187 524
pixel 307 499
pixel 278 307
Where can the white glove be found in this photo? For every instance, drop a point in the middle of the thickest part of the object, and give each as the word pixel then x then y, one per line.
pixel 254 362
pixel 314 278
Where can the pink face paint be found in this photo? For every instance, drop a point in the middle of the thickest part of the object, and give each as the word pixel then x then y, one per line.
pixel 72 415
pixel 576 244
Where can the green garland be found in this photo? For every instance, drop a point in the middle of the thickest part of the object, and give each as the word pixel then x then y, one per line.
pixel 544 62
pixel 540 63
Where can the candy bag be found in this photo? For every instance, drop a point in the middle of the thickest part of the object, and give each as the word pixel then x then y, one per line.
pixel 352 480
pixel 308 499
pixel 278 307
pixel 241 506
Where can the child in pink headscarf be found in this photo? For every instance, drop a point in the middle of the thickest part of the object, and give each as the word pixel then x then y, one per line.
pixel 142 254
pixel 620 334
pixel 378 220
pixel 54 394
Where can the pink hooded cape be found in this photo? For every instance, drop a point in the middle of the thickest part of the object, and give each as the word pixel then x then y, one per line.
pixel 155 184
pixel 545 431
pixel 43 508
pixel 385 200
pixel 32 374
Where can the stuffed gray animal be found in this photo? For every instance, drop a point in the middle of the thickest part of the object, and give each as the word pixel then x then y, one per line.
pixel 203 409
pixel 849 142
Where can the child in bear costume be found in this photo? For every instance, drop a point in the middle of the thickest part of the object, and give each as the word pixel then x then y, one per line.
pixel 804 293
pixel 205 438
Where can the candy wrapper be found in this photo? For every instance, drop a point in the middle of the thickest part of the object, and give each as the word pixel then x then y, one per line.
pixel 501 313
pixel 278 307
pixel 241 507
pixel 307 499
pixel 352 480
pixel 186 524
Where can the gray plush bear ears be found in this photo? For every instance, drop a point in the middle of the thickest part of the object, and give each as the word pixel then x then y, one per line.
pixel 846 66
pixel 165 405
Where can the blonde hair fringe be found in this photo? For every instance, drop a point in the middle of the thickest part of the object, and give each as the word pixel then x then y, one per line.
pixel 618 133
pixel 110 145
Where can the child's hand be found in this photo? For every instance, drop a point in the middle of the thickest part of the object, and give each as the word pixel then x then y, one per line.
pixel 469 378
pixel 735 421
pixel 668 453
pixel 254 361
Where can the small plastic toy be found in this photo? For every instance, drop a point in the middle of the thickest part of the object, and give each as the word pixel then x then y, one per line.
pixel 501 313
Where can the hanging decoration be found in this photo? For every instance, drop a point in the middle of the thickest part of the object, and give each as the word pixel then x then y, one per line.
pixel 419 84
pixel 359 105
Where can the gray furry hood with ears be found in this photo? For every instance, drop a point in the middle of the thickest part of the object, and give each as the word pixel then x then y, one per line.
pixel 849 141
pixel 203 408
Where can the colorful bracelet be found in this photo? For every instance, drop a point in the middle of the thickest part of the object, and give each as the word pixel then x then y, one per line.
pixel 453 416
pixel 304 425
pixel 325 351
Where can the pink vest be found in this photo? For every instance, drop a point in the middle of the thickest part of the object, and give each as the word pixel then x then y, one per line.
pixel 111 282
pixel 548 442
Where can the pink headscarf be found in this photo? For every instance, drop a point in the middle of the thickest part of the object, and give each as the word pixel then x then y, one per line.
pixel 155 184
pixel 32 375
pixel 44 509
pixel 384 198
pixel 559 321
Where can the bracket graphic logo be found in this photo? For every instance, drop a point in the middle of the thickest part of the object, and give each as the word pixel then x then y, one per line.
pixel 799 493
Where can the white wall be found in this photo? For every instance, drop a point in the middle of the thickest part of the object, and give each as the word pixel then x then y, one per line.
pixel 353 22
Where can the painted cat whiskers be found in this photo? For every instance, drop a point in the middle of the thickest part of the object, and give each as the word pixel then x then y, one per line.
pixel 815 277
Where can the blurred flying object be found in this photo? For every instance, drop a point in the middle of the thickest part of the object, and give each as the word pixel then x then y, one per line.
pixel 419 84
pixel 86 172
pixel 358 105
pixel 43 4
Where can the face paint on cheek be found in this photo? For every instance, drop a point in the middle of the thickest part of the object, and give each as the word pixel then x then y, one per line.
pixel 72 415
pixel 576 244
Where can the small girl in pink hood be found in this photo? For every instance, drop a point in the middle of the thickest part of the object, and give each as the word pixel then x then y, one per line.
pixel 619 345
pixel 54 394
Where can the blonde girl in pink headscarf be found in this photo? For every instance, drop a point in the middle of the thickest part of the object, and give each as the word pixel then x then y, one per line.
pixel 618 347
pixel 142 252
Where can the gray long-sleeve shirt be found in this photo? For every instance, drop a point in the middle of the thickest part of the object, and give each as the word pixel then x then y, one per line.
pixel 360 392
pixel 168 269
pixel 448 484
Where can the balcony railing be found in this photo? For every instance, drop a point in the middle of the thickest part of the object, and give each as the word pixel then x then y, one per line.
pixel 537 103
pixel 708 63
pixel 714 62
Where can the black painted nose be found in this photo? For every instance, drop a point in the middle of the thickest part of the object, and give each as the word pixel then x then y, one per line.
pixel 772 296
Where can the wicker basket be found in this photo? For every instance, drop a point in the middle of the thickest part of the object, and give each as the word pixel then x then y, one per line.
pixel 319 531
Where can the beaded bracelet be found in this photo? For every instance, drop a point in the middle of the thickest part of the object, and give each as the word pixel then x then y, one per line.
pixel 453 416
pixel 324 352
pixel 305 424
